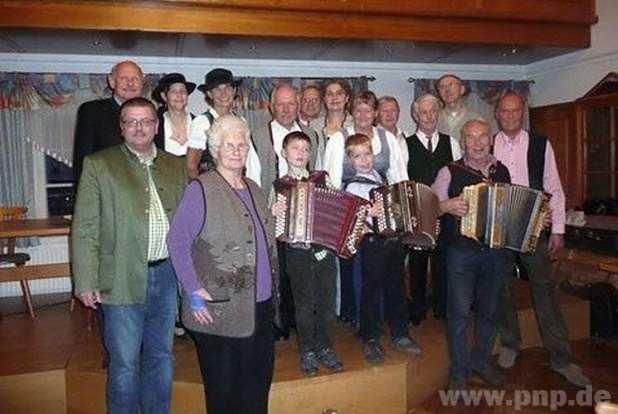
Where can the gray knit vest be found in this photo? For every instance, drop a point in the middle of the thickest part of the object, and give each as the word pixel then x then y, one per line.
pixel 224 256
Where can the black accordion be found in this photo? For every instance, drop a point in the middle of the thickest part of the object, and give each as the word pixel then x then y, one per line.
pixel 331 218
pixel 410 211
pixel 504 215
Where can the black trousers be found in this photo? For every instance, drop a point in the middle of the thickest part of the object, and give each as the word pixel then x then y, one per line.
pixel 419 261
pixel 382 269
pixel 237 372
pixel 287 309
pixel 348 309
pixel 314 289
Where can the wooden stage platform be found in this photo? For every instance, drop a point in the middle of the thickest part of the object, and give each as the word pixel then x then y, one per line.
pixel 53 365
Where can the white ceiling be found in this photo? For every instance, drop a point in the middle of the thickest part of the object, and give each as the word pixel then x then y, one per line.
pixel 217 46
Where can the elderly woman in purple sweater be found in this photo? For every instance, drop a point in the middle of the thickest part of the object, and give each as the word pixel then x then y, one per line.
pixel 221 242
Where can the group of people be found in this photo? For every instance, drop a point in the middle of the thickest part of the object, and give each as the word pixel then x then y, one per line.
pixel 171 203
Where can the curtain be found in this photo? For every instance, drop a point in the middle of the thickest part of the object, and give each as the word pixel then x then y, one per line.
pixel 481 95
pixel 254 95
pixel 49 102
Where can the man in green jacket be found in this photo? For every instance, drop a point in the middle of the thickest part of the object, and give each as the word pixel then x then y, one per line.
pixel 126 196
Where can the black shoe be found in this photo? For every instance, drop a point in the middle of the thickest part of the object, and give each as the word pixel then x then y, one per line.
pixel 373 351
pixel 328 358
pixel 309 363
pixel 490 374
pixel 280 333
pixel 407 345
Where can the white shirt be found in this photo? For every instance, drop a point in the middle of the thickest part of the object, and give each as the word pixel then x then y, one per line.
pixel 199 126
pixel 335 153
pixel 435 138
pixel 171 145
pixel 197 139
pixel 278 133
pixel 403 144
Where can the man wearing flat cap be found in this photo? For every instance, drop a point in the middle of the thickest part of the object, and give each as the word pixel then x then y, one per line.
pixel 219 91
pixel 455 113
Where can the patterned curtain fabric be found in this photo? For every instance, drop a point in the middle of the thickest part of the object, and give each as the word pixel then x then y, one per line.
pixel 481 96
pixel 254 93
pixel 49 102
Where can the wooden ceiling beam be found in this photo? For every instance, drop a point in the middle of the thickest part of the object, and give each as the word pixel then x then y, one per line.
pixel 204 16
pixel 564 11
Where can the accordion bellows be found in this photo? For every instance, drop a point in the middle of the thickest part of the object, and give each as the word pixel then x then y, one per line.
pixel 504 215
pixel 327 217
pixel 410 211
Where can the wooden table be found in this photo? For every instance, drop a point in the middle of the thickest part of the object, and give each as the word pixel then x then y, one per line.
pixel 53 226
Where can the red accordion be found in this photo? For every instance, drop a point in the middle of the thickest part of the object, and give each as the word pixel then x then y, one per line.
pixel 327 217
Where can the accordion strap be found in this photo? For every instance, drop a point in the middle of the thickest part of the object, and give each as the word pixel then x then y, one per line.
pixel 462 166
pixel 360 180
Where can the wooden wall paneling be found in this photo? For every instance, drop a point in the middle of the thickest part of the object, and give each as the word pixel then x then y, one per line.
pixel 360 20
pixel 559 123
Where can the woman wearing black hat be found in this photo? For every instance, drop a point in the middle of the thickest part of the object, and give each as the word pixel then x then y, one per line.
pixel 172 93
pixel 220 91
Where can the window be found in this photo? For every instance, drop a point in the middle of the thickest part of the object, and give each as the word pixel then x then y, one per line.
pixel 60 187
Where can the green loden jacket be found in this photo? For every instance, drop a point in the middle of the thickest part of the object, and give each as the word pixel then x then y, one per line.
pixel 109 235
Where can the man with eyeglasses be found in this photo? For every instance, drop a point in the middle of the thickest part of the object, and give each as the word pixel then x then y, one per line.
pixel 97 124
pixel 127 194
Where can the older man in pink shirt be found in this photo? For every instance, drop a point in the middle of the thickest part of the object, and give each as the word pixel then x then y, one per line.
pixel 531 162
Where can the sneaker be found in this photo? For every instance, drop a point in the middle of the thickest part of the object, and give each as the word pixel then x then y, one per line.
pixel 573 373
pixel 328 358
pixel 507 357
pixel 407 345
pixel 373 351
pixel 309 363
pixel 490 374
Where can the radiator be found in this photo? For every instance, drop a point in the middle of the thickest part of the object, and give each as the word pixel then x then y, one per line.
pixel 51 250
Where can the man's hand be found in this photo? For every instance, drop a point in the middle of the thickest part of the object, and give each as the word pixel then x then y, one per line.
pixel 376 209
pixel 555 243
pixel 548 219
pixel 90 298
pixel 278 208
pixel 455 206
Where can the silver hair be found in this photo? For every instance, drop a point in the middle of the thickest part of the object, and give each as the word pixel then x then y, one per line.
pixel 282 85
pixel 417 103
pixel 224 126
pixel 475 120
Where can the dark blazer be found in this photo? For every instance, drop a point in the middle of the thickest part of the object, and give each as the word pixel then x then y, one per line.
pixel 97 128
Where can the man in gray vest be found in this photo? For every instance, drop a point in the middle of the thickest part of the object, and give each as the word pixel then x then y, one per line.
pixel 269 138
pixel 531 162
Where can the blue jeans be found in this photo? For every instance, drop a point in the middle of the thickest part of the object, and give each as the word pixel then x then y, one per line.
pixel 474 275
pixel 139 341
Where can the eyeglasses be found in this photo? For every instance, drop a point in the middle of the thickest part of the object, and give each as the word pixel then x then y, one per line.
pixel 229 147
pixel 143 123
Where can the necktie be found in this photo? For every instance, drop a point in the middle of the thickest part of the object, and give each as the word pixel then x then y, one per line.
pixel 429 145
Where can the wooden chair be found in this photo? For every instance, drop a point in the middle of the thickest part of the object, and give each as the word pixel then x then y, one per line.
pixel 8 255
